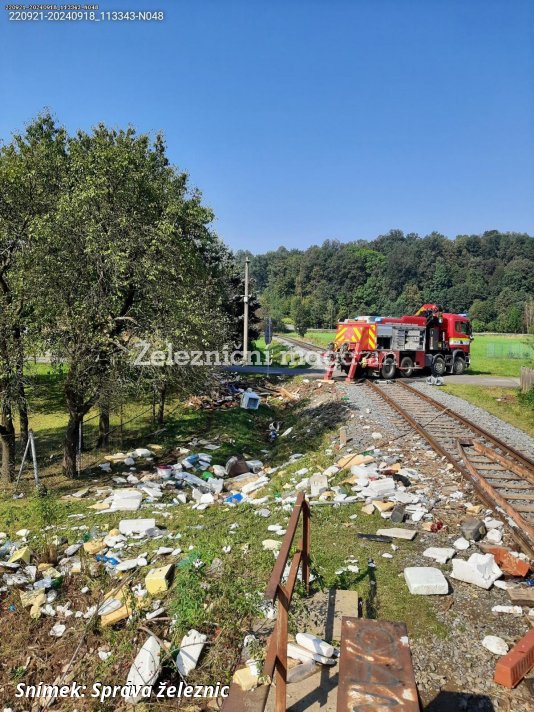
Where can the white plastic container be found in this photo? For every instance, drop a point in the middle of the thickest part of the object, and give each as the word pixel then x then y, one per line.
pixel 250 400
pixel 315 644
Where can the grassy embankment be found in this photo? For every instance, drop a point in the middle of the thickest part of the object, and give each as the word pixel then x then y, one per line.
pixel 219 604
pixel 506 403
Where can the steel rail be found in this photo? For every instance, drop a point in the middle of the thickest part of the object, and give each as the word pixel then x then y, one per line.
pixel 527 463
pixel 525 532
pixel 302 344
pixel 522 531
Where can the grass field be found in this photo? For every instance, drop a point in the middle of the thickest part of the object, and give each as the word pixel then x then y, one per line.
pixel 221 604
pixel 505 403
pixel 275 353
pixel 491 354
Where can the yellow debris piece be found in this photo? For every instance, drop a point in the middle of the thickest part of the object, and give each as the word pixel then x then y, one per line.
pixel 32 598
pixel 94 546
pixel 350 460
pixel 116 616
pixel 23 554
pixel 245 679
pixel 158 580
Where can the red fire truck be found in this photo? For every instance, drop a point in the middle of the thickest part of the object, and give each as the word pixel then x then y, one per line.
pixel 390 346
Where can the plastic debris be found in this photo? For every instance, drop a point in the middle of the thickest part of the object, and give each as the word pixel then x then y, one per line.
pixel 190 651
pixel 145 668
pixel 495 645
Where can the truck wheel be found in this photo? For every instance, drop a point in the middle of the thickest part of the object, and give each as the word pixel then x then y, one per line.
pixel 438 366
pixel 406 367
pixel 459 366
pixel 388 368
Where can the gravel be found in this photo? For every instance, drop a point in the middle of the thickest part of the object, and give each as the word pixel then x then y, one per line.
pixel 512 436
pixel 369 408
pixel 454 672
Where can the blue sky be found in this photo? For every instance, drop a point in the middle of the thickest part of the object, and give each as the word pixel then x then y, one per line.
pixel 302 121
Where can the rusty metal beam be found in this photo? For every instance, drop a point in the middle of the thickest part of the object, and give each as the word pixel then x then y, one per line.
pixel 275 665
pixel 523 472
pixel 281 561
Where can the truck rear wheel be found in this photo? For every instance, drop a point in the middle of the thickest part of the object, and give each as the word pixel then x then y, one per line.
pixel 406 367
pixel 438 366
pixel 459 366
pixel 388 368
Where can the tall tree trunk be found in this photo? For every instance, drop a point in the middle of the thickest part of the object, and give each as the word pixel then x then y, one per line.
pixel 7 436
pixel 70 445
pixel 161 404
pixel 22 403
pixel 103 426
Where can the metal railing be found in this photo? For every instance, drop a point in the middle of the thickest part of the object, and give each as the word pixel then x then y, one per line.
pixel 275 665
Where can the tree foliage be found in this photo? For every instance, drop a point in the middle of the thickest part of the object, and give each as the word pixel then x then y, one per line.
pixel 490 276
pixel 120 252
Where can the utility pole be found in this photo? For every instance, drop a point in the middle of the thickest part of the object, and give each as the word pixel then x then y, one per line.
pixel 245 315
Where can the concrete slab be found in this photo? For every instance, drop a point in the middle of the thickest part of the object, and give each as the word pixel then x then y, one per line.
pixel 426 581
pixel 346 604
pixel 398 533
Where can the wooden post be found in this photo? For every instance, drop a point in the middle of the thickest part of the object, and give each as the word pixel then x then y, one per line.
pixel 280 670
pixel 527 379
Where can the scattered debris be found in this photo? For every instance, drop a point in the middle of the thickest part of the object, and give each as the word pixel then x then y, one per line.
pixel 473 529
pixel 145 669
pixel 425 581
pixel 396 533
pixel 495 645
pixel 441 555
pixel 480 570
pixel 190 651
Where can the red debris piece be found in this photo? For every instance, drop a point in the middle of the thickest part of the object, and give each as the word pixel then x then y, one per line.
pixel 509 563
pixel 513 666
pixel 436 526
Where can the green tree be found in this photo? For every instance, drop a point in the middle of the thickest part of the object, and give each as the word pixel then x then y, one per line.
pixel 300 314
pixel 483 311
pixel 510 321
pixel 31 176
pixel 126 256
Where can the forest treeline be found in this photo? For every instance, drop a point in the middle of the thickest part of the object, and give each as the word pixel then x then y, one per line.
pixel 489 276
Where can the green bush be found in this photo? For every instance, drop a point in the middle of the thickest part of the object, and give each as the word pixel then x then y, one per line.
pixel 478 325
pixel 527 398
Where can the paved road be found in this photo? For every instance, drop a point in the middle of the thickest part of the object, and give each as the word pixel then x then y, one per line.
pixel 478 380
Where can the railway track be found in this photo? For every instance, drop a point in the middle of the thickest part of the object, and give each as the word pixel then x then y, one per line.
pixel 304 345
pixel 502 476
